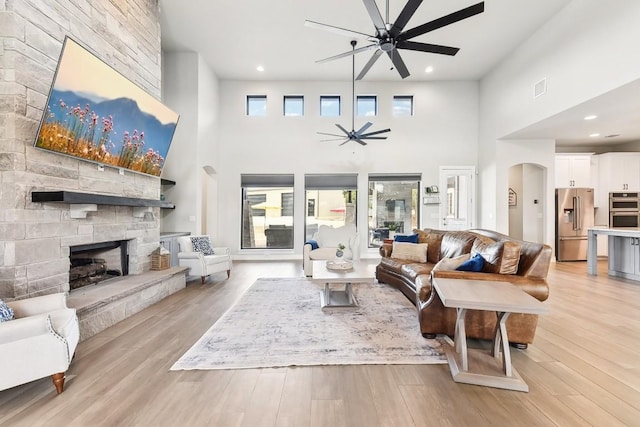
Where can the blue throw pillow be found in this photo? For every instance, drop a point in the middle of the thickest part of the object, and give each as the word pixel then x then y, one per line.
pixel 411 238
pixel 6 313
pixel 473 264
pixel 313 243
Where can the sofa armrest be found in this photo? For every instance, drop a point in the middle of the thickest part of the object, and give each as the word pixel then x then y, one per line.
pixel 306 250
pixel 385 250
pixel 23 328
pixel 221 251
pixel 38 305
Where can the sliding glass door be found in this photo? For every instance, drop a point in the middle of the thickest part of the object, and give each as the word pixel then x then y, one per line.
pixel 393 205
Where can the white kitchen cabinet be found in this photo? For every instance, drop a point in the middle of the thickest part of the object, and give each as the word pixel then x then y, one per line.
pixel 619 172
pixel 573 170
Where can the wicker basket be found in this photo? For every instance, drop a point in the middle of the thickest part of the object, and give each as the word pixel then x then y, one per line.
pixel 159 262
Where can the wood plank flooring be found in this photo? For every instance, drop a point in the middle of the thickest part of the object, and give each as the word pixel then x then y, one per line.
pixel 583 369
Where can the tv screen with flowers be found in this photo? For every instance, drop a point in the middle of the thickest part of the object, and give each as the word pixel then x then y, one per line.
pixel 96 114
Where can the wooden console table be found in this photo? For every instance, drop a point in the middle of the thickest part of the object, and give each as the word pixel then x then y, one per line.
pixel 501 297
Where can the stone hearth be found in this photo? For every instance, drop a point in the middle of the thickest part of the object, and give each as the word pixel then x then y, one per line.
pixel 105 304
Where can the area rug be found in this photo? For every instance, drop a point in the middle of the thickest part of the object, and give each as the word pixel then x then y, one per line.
pixel 279 322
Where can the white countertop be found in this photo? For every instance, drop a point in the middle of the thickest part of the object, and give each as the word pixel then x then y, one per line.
pixel 618 231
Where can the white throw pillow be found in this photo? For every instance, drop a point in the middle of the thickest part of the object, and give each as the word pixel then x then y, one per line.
pixel 329 237
pixel 451 263
pixel 202 244
pixel 411 251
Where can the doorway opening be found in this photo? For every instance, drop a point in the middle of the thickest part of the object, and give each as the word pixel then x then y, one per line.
pixel 527 202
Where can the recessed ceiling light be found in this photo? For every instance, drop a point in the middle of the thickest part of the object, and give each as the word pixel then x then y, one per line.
pixel 429 69
pixel 590 117
pixel 594 135
pixel 260 68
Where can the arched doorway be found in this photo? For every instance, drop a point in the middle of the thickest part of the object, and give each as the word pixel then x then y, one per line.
pixel 527 202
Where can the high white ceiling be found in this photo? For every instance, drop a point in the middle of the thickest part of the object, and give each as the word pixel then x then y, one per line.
pixel 234 37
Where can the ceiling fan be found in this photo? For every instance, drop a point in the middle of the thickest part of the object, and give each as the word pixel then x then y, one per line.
pixel 358 136
pixel 390 38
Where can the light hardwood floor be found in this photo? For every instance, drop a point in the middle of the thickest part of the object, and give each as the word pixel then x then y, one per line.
pixel 583 369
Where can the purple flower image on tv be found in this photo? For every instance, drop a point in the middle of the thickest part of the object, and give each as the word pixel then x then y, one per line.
pixel 95 113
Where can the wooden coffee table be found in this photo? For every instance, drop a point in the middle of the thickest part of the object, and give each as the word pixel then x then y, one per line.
pixel 501 297
pixel 360 273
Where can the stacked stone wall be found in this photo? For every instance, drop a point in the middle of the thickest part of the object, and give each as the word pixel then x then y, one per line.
pixel 35 237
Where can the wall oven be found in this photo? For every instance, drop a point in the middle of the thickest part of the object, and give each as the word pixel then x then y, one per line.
pixel 624 210
pixel 624 202
pixel 624 219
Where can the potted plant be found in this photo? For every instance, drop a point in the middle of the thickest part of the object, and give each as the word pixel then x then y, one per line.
pixel 340 251
pixel 392 229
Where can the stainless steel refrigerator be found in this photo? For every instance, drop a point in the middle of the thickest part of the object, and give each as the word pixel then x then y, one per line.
pixel 574 216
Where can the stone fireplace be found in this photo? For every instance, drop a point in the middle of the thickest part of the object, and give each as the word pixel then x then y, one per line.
pixel 36 237
pixel 46 235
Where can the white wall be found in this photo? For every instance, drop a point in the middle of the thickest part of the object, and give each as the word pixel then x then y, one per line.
pixel 533 203
pixel 207 157
pixel 191 89
pixel 584 51
pixel 515 212
pixel 443 130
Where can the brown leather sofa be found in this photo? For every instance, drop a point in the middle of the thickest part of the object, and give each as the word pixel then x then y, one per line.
pixel 525 264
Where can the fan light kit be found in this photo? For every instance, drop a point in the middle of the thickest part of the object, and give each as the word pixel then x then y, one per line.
pixel 389 38
pixel 358 136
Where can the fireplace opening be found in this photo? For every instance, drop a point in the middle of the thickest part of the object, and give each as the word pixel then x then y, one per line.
pixel 95 262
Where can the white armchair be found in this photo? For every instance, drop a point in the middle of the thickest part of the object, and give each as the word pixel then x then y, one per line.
pixel 199 263
pixel 328 239
pixel 39 342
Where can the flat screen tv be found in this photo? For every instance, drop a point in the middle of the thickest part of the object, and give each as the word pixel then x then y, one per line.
pixel 96 114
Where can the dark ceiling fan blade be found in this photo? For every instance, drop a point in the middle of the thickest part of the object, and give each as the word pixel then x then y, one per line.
pixel 442 22
pixel 349 53
pixel 373 137
pixel 366 135
pixel 404 17
pixel 376 17
pixel 338 30
pixel 364 127
pixel 330 134
pixel 359 141
pixel 333 139
pixel 343 129
pixel 369 64
pixel 426 47
pixel 398 63
pixel 339 145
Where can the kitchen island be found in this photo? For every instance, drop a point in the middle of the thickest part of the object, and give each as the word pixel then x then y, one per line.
pixel 624 251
